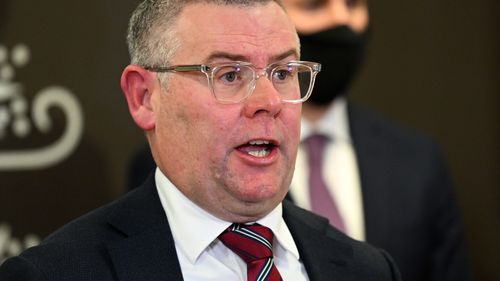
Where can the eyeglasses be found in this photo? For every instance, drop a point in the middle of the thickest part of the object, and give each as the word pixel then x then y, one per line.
pixel 232 82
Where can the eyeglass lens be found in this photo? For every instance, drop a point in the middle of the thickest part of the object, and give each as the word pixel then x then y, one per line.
pixel 233 83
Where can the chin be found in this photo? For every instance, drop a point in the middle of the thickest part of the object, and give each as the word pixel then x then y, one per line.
pixel 261 192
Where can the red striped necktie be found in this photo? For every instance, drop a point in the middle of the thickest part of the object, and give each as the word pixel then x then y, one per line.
pixel 253 243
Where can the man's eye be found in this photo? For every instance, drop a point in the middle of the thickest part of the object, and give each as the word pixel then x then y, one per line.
pixel 283 74
pixel 353 3
pixel 229 76
pixel 312 5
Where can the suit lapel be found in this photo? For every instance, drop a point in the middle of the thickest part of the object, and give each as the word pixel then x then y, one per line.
pixel 324 255
pixel 374 169
pixel 147 251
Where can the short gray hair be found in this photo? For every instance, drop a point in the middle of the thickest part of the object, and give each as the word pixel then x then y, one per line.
pixel 151 36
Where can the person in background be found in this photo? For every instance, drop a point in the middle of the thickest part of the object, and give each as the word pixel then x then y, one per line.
pixel 377 182
pixel 217 86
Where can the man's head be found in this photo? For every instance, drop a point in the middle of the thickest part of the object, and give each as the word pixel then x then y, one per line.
pixel 151 37
pixel 311 16
pixel 235 160
pixel 332 32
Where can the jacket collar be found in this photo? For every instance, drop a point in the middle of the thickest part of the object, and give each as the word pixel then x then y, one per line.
pixel 323 249
pixel 141 219
pixel 147 251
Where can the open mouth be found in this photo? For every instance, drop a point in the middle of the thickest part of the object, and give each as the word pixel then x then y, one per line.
pixel 257 148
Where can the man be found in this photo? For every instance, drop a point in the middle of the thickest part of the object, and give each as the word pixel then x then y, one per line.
pixel 224 135
pixel 389 185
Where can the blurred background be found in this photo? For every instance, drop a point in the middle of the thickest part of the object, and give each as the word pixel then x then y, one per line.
pixel 66 138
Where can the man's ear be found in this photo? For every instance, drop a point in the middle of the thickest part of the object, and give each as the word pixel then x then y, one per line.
pixel 138 85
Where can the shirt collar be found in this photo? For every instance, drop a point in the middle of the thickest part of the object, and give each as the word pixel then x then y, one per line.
pixel 194 229
pixel 334 124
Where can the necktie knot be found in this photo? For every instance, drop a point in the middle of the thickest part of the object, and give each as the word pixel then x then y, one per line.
pixel 253 244
pixel 315 145
pixel 250 242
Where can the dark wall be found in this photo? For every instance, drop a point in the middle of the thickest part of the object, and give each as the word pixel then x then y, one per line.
pixel 80 47
pixel 432 65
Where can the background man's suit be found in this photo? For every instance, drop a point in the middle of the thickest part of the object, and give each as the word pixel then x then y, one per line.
pixel 408 201
pixel 130 239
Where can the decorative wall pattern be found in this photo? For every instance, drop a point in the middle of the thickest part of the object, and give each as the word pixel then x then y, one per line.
pixel 14 107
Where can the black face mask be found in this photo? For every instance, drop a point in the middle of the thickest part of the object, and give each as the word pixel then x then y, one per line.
pixel 340 51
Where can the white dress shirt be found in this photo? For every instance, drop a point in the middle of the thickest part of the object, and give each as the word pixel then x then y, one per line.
pixel 340 168
pixel 202 256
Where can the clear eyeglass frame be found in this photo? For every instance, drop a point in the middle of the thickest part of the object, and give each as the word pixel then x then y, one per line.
pixel 304 84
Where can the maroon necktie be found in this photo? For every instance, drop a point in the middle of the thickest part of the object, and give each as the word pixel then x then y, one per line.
pixel 253 243
pixel 322 202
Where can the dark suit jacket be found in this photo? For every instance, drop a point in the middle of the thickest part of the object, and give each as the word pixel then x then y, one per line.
pixel 408 200
pixel 130 239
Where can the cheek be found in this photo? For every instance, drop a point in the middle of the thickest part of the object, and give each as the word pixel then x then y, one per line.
pixel 292 129
pixel 181 110
pixel 292 122
pixel 196 129
pixel 176 123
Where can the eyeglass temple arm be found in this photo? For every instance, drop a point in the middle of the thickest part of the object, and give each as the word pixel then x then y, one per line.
pixel 179 68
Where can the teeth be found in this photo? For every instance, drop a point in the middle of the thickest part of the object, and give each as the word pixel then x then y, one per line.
pixel 259 142
pixel 261 153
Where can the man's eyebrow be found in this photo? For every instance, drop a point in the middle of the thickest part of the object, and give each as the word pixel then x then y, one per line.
pixel 224 55
pixel 234 57
pixel 291 52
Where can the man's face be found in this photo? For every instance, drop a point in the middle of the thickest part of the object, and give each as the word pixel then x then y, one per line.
pixel 202 145
pixel 310 16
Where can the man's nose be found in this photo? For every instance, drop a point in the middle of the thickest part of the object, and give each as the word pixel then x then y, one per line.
pixel 338 11
pixel 265 99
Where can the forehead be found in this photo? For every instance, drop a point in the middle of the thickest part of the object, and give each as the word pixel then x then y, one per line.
pixel 257 33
